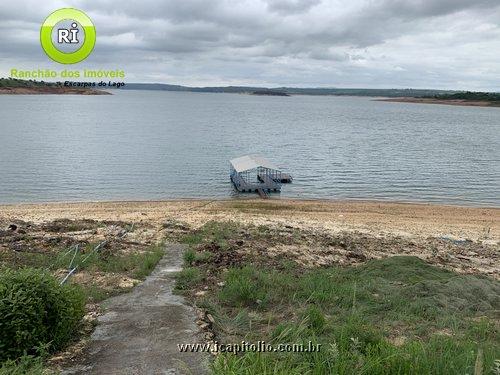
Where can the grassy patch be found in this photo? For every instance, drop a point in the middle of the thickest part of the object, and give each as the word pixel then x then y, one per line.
pixel 95 293
pixel 397 315
pixel 192 257
pixel 243 287
pixel 439 355
pixel 146 263
pixel 132 264
pixel 187 278
pixel 212 232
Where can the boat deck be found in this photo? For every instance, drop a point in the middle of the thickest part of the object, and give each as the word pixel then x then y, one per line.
pixel 265 184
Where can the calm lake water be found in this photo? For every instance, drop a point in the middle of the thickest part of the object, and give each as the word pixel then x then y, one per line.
pixel 160 145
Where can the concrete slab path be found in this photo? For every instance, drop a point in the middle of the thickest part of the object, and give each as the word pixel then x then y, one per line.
pixel 139 331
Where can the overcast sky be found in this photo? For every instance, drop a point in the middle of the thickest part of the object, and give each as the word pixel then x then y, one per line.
pixel 448 44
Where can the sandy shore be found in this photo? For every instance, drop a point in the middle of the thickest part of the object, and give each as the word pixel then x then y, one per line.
pixel 377 218
pixel 461 102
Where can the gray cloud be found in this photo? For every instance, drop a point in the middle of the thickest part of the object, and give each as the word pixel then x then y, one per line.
pixel 356 43
pixel 430 8
pixel 291 6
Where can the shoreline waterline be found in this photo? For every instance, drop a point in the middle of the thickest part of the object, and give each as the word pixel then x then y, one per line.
pixel 251 198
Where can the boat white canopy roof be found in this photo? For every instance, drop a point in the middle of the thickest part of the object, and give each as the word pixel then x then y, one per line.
pixel 247 162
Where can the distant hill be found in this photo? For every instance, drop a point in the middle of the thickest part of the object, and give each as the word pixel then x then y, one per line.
pixel 10 85
pixel 14 82
pixel 391 93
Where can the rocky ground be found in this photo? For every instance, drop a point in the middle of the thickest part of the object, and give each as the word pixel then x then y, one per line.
pixel 312 233
pixel 409 220
pixel 465 238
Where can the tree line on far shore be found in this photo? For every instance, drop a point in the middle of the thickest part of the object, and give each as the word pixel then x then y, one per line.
pixel 469 95
pixel 15 82
pixel 285 91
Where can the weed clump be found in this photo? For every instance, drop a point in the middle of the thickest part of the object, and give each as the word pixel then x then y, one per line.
pixel 315 319
pixel 187 278
pixel 243 287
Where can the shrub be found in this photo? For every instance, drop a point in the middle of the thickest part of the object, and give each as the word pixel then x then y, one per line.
pixel 37 313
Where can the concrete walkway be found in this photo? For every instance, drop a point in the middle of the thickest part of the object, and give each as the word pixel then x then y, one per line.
pixel 140 330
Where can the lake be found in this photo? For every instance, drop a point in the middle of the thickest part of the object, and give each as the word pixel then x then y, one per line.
pixel 137 145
